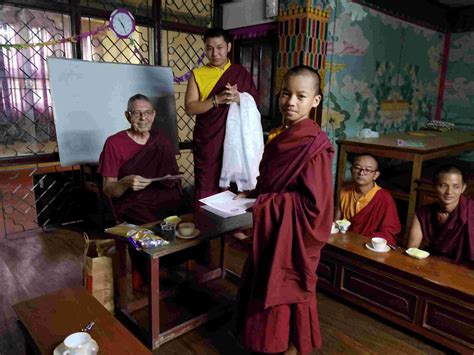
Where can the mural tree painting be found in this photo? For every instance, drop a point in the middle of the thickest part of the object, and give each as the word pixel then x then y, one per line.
pixel 372 85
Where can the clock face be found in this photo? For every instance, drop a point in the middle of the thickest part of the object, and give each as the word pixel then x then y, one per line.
pixel 122 23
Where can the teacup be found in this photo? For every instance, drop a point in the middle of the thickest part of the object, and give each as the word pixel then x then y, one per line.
pixel 186 229
pixel 80 343
pixel 379 244
pixel 343 225
pixel 342 229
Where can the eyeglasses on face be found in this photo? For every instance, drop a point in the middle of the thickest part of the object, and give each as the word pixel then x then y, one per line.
pixel 356 169
pixel 137 114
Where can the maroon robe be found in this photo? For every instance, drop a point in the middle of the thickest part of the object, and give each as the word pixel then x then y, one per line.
pixel 158 199
pixel 453 239
pixel 378 219
pixel 292 221
pixel 209 134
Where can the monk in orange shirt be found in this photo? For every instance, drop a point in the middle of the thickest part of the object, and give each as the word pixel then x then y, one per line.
pixel 370 208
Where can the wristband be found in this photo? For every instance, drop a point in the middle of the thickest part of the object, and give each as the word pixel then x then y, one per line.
pixel 214 101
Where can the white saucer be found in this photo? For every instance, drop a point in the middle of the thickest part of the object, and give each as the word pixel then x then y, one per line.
pixel 193 235
pixel 60 349
pixel 370 247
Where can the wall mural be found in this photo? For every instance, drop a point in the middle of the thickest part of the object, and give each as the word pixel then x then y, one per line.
pixel 381 73
pixel 459 89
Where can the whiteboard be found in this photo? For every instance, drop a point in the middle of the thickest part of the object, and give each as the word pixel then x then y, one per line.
pixel 90 100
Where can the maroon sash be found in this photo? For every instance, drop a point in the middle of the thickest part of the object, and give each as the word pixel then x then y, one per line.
pixel 209 134
pixel 158 199
pixel 378 219
pixel 293 214
pixel 292 222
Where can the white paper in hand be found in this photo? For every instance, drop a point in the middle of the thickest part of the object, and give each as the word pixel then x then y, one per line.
pixel 224 205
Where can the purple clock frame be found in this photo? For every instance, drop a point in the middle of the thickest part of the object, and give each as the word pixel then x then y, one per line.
pixel 115 13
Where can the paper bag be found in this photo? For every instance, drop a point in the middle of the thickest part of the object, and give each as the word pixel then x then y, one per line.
pixel 98 271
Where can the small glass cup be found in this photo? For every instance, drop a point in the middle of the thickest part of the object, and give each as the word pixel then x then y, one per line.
pixel 168 231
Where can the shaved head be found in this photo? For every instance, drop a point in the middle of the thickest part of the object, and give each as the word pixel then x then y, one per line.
pixel 304 70
pixel 447 169
pixel 368 157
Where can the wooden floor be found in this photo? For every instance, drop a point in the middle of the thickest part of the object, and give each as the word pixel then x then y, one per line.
pixel 51 260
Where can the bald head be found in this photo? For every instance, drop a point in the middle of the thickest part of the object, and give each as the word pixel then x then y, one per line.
pixel 310 73
pixel 447 169
pixel 367 160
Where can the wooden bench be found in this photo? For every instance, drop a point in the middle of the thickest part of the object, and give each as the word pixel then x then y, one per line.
pixel 46 320
pixel 432 297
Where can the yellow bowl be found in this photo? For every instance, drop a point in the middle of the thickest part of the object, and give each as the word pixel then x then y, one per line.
pixel 417 253
pixel 172 219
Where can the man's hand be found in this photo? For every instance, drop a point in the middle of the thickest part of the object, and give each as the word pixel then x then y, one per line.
pixel 245 194
pixel 115 188
pixel 242 195
pixel 135 182
pixel 229 95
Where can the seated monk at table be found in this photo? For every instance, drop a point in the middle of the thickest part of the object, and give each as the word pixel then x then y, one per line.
pixel 370 208
pixel 131 158
pixel 446 227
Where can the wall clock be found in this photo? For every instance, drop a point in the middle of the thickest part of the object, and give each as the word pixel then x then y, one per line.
pixel 122 23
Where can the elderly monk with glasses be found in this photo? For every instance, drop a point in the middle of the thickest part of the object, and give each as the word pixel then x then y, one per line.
pixel 370 208
pixel 131 158
pixel 128 162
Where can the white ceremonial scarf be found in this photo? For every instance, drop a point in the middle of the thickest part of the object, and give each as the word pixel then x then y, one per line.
pixel 243 145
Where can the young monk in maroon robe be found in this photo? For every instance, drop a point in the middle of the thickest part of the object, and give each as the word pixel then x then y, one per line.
pixel 292 221
pixel 210 91
pixel 370 208
pixel 446 227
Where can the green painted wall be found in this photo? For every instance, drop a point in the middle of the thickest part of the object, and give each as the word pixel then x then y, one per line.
pixel 382 73
pixel 458 103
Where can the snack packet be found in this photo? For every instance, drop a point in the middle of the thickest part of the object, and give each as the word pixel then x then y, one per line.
pixel 135 234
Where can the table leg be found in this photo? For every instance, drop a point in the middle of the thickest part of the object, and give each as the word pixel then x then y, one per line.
pixel 222 261
pixel 341 169
pixel 121 297
pixel 415 175
pixel 154 301
pixel 30 347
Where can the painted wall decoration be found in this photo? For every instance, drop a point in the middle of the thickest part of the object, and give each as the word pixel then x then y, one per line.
pixel 302 32
pixel 381 72
pixel 458 105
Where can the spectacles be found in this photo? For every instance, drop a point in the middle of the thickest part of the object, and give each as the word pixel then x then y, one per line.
pixel 357 169
pixel 137 114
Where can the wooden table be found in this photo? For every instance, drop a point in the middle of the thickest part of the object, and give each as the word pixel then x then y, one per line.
pixel 431 297
pixel 435 145
pixel 47 320
pixel 210 226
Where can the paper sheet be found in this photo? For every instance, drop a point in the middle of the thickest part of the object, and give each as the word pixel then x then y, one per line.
pixel 224 205
pixel 167 177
